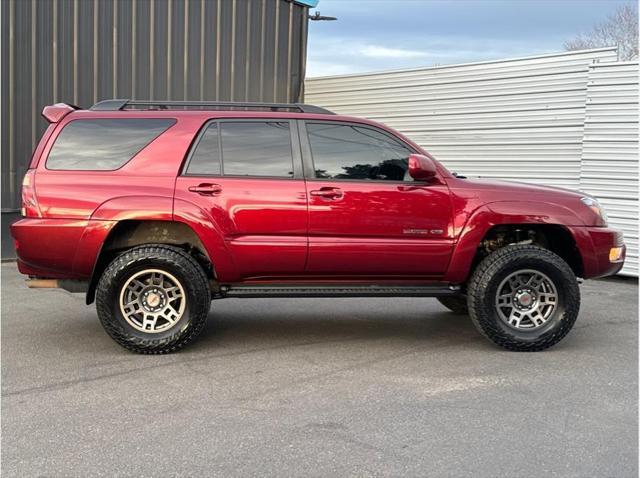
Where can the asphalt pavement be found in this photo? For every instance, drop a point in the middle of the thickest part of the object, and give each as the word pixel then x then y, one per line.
pixel 318 387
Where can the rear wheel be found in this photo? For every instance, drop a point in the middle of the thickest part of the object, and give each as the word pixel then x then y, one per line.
pixel 455 303
pixel 523 298
pixel 153 299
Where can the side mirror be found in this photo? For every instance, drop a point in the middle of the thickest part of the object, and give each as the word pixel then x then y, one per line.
pixel 421 168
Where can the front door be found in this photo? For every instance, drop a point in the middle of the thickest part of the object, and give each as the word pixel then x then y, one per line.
pixel 367 216
pixel 247 175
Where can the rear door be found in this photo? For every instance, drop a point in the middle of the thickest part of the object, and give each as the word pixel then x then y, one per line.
pixel 247 174
pixel 367 216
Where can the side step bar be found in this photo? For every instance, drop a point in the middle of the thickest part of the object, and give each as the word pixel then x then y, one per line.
pixel 255 291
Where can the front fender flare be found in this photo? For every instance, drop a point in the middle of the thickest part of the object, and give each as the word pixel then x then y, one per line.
pixel 497 213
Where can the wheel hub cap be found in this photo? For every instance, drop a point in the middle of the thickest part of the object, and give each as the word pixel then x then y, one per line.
pixel 526 299
pixel 153 299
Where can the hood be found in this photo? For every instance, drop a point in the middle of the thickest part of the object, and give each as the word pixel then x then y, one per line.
pixel 477 192
pixel 514 188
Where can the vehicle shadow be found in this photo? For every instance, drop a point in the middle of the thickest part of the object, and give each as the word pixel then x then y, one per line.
pixel 265 322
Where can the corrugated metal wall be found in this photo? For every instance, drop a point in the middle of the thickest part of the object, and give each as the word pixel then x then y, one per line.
pixel 516 119
pixel 609 168
pixel 520 119
pixel 83 51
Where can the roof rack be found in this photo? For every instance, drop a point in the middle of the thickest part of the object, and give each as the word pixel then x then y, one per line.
pixel 117 105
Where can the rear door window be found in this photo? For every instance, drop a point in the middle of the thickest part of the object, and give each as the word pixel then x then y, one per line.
pixel 244 148
pixel 103 144
pixel 261 148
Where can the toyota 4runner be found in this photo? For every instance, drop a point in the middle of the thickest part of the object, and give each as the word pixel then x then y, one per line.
pixel 153 209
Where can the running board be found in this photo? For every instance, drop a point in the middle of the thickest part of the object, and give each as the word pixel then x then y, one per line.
pixel 254 291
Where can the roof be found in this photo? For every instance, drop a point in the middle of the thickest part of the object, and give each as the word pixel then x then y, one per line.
pixel 307 3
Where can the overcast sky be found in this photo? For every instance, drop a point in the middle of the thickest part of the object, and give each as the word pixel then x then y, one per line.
pixel 376 35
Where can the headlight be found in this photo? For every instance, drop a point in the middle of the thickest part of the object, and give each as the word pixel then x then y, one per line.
pixel 595 206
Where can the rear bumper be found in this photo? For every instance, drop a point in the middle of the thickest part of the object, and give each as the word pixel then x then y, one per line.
pixel 595 245
pixel 58 248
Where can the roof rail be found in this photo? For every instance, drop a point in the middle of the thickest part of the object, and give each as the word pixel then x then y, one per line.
pixel 116 105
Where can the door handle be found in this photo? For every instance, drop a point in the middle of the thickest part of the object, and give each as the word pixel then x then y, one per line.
pixel 206 189
pixel 327 192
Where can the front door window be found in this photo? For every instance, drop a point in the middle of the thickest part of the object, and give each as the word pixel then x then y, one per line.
pixel 343 151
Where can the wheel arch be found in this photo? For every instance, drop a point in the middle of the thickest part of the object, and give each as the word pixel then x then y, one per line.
pixel 553 223
pixel 129 233
pixel 554 237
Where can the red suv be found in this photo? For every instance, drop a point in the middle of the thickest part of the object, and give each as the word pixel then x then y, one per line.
pixel 156 208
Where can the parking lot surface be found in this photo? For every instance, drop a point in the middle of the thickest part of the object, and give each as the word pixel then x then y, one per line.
pixel 318 387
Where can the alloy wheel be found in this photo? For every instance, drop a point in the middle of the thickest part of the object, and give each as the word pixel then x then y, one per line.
pixel 526 299
pixel 152 301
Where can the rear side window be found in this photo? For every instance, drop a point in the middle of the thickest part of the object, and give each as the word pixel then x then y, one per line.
pixel 103 144
pixel 244 148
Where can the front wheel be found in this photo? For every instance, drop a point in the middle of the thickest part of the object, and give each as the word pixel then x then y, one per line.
pixel 153 299
pixel 523 298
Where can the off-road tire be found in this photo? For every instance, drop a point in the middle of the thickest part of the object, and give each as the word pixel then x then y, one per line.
pixel 488 275
pixel 167 258
pixel 455 303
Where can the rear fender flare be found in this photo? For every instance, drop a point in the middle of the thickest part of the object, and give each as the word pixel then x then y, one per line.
pixel 211 236
pixel 154 208
pixel 103 220
pixel 158 208
pixel 106 216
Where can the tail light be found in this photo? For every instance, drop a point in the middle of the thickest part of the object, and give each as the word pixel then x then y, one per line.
pixel 30 206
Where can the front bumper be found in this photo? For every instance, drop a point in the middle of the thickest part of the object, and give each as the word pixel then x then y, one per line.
pixel 602 250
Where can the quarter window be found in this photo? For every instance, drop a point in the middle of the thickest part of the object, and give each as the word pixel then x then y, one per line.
pixel 103 144
pixel 343 151
pixel 205 159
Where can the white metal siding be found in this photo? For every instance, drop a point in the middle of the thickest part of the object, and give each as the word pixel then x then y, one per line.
pixel 518 119
pixel 524 119
pixel 609 168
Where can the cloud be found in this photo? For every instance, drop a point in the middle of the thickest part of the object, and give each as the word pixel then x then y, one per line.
pixel 329 68
pixel 376 35
pixel 374 51
pixel 338 55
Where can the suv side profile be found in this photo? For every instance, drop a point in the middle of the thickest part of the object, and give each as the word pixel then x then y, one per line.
pixel 154 209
